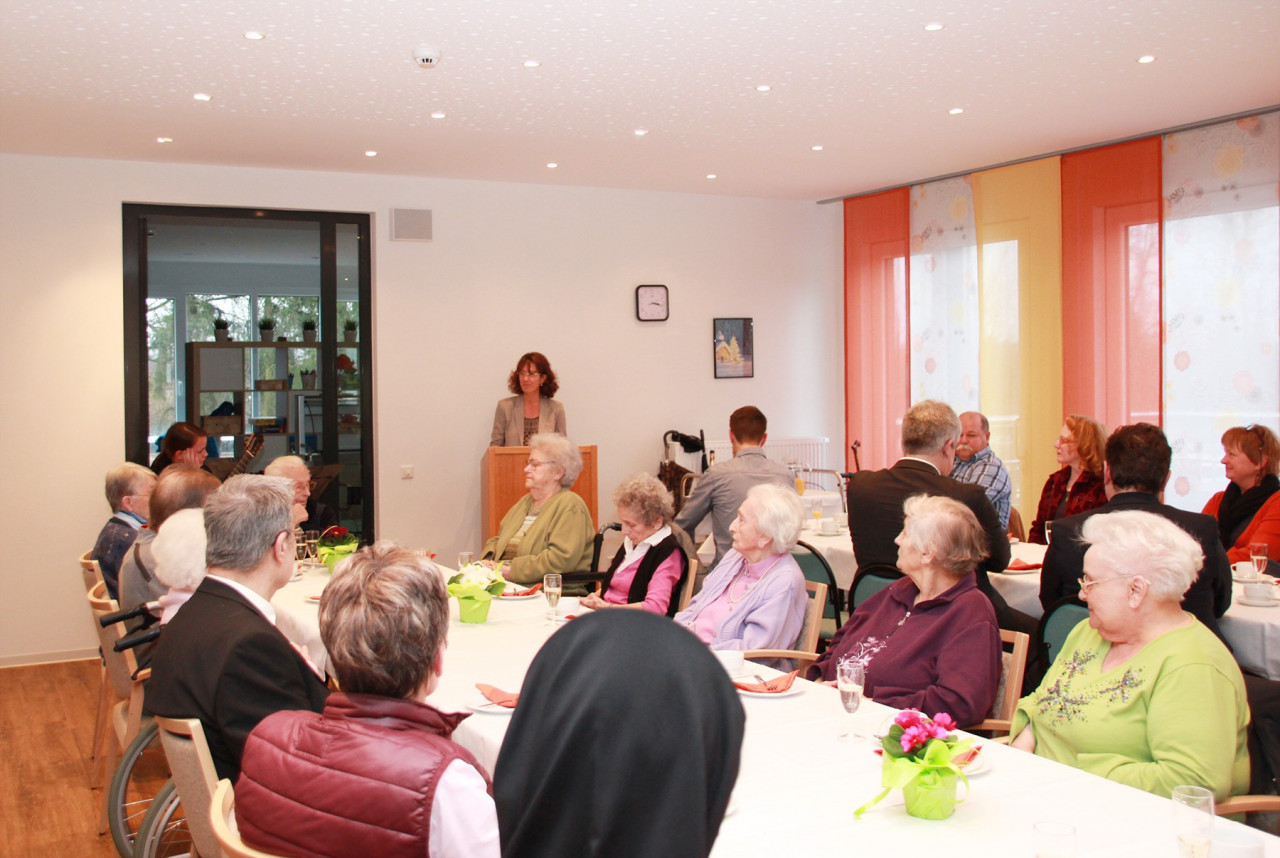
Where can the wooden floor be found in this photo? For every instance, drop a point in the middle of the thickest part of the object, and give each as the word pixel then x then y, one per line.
pixel 46 729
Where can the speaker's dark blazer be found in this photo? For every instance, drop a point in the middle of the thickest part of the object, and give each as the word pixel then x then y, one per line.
pixel 875 519
pixel 1208 598
pixel 221 661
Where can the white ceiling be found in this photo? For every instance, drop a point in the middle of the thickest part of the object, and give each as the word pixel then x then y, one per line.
pixel 333 78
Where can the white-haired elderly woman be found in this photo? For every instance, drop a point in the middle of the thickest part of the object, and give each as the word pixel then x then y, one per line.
pixel 179 552
pixel 929 640
pixel 549 529
pixel 755 597
pixel 650 567
pixel 1142 693
pixel 377 773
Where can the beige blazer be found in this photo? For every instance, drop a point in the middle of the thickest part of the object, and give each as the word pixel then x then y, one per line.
pixel 508 420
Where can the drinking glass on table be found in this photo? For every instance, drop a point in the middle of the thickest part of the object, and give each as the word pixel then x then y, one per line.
pixel 299 544
pixel 851 676
pixel 1193 820
pixel 551 587
pixel 465 558
pixel 1258 554
pixel 312 539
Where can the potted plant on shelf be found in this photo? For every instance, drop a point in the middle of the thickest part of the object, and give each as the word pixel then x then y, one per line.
pixel 349 331
pixel 221 330
pixel 267 328
pixel 308 330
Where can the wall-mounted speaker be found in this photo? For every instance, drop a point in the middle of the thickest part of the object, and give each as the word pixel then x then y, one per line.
pixel 411 224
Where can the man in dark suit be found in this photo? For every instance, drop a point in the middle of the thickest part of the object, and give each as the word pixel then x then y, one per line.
pixel 1137 468
pixel 930 430
pixel 221 658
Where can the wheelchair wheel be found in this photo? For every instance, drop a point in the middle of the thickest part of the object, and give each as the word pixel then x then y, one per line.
pixel 141 773
pixel 164 831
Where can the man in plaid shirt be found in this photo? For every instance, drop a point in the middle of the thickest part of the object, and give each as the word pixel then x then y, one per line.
pixel 975 463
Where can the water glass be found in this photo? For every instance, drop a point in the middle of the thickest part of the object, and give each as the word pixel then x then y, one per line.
pixel 1258 554
pixel 312 539
pixel 551 589
pixel 1053 840
pixel 466 558
pixel 851 677
pixel 1193 820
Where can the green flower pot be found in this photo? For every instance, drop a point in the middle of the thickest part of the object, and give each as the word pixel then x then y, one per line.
pixel 931 795
pixel 473 610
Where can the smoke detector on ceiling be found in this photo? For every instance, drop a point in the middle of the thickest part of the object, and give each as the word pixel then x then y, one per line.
pixel 426 56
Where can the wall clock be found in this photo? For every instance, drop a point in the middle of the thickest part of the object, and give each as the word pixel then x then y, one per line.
pixel 652 303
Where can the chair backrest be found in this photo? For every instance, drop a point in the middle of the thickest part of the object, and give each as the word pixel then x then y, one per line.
pixel 871 579
pixel 1013 664
pixel 194 776
pixel 690 579
pixel 90 569
pixel 812 626
pixel 816 568
pixel 120 665
pixel 1057 622
pixel 1269 804
pixel 1016 530
pixel 223 821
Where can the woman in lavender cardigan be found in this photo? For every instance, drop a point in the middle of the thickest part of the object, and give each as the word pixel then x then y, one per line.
pixel 755 597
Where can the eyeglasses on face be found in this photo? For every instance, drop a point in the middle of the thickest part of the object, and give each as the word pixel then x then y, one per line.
pixel 1086 585
pixel 525 373
pixel 535 464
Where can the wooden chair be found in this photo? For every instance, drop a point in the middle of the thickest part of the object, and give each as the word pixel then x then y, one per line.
pixel 1249 804
pixel 92 574
pixel 222 816
pixel 194 778
pixel 90 569
pixel 686 592
pixel 1013 666
pixel 1016 530
pixel 805 652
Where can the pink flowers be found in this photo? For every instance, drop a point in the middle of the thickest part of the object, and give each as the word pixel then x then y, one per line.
pixel 917 729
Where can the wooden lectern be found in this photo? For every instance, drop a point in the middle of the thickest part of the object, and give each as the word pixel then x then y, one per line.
pixel 502 484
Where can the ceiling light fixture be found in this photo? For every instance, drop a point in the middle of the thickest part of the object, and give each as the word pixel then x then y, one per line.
pixel 711 175
pixel 255 35
pixel 371 153
pixel 1146 58
pixel 932 28
pixel 551 165
pixel 439 114
pixel 531 64
pixel 640 132
pixel 764 87
pixel 956 111
pixel 164 139
pixel 202 96
pixel 816 148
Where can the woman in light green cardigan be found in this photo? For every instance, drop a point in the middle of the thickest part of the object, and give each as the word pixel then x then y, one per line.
pixel 549 529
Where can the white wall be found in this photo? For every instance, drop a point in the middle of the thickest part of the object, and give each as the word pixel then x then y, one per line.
pixel 512 268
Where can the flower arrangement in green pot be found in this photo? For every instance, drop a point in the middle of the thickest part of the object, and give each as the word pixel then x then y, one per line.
pixel 475 586
pixel 336 544
pixel 922 757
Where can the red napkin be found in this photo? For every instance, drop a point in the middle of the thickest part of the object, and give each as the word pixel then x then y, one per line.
pixel 1023 565
pixel 777 685
pixel 507 699
pixel 967 757
pixel 513 592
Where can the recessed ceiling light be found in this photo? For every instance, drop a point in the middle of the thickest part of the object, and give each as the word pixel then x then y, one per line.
pixel 640 132
pixel 531 64
pixel 764 87
pixel 1146 58
pixel 711 175
pixel 956 111
pixel 551 165
pixel 932 28
pixel 254 35
pixel 439 114
pixel 164 139
pixel 816 148
pixel 371 153
pixel 202 96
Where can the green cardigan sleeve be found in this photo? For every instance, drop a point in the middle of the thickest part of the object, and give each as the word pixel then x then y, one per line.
pixel 559 540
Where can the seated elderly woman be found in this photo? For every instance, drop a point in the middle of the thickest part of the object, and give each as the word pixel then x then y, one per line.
pixel 929 641
pixel 755 597
pixel 650 567
pixel 376 773
pixel 178 488
pixel 549 529
pixel 179 553
pixel 1141 693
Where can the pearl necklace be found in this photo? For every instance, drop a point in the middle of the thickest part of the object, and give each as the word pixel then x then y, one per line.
pixel 741 571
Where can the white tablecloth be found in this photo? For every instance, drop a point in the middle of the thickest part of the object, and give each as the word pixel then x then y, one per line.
pixel 799 784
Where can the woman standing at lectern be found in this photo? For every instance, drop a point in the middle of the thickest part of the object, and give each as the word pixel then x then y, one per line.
pixel 532 410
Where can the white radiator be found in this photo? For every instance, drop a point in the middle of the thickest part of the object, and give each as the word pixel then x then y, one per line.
pixel 793 452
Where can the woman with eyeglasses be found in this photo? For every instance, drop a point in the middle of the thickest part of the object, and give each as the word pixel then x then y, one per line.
pixel 532 410
pixel 549 529
pixel 1078 486
pixel 1248 510
pixel 1141 693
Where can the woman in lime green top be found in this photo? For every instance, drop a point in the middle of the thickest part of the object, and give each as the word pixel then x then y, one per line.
pixel 1141 693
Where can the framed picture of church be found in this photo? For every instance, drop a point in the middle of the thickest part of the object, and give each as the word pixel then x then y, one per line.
pixel 733 348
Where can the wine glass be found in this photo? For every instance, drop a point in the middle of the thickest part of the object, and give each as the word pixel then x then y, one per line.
pixel 299 545
pixel 1258 554
pixel 851 676
pixel 312 539
pixel 551 589
pixel 1193 820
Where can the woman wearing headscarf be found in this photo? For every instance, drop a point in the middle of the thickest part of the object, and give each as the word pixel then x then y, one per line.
pixel 613 755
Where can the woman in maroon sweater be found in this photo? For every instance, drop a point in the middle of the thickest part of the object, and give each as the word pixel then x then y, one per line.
pixel 930 640
pixel 1078 486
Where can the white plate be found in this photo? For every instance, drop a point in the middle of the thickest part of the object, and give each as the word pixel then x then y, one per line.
pixel 790 692
pixel 1258 603
pixel 979 766
pixel 521 597
pixel 480 703
pixel 1019 571
pixel 1240 579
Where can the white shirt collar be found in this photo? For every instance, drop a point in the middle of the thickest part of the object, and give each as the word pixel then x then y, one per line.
pixel 926 461
pixel 260 604
pixel 635 551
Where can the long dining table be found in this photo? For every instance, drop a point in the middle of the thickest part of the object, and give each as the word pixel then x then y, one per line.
pixel 799 783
